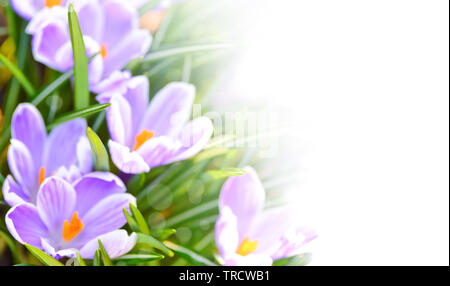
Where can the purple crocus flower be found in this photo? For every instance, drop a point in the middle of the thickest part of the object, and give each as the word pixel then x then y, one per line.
pixel 27 9
pixel 246 234
pixel 67 218
pixel 115 35
pixel 33 156
pixel 148 135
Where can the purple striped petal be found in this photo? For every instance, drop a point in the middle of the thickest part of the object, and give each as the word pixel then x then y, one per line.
pixel 127 161
pixel 159 151
pixel 115 83
pixel 84 155
pixel 119 119
pixel 245 196
pixel 94 187
pixel 170 109
pixel 55 202
pixel 28 127
pixel 116 243
pixel 106 216
pixel 25 225
pixel 22 167
pixel 13 193
pixel 61 147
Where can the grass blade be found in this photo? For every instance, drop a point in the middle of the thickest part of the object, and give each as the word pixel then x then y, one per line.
pixel 106 259
pixel 97 260
pixel 81 262
pixel 140 220
pixel 99 154
pixel 80 67
pixel 133 259
pixel 78 114
pixel 130 220
pixel 52 87
pixel 42 256
pixel 17 73
pixel 189 255
pixel 225 173
pixel 143 239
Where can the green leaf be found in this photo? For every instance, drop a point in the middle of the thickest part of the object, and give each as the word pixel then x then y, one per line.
pixel 77 114
pixel 164 233
pixel 130 220
pixel 140 220
pixel 99 154
pixel 191 213
pixel 139 258
pixel 12 246
pixel 17 73
pixel 80 67
pixel 185 50
pixel 52 87
pixel 97 260
pixel 81 262
pixel 225 173
pixel 189 255
pixel 147 240
pixel 42 256
pixel 298 260
pixel 106 259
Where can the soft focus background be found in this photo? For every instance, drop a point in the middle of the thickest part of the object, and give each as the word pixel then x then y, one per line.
pixel 366 83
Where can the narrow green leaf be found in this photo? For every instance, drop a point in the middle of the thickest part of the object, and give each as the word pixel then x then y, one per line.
pixel 164 233
pixel 81 262
pixel 106 259
pixel 225 173
pixel 139 258
pixel 99 154
pixel 77 114
pixel 130 220
pixel 189 255
pixel 140 220
pixel 11 245
pixel 2 179
pixel 298 260
pixel 97 260
pixel 208 206
pixel 42 256
pixel 80 67
pixel 144 239
pixel 52 87
pixel 162 54
pixel 17 73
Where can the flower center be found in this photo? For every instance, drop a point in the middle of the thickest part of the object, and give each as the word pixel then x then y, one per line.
pixel 51 3
pixel 142 137
pixel 41 175
pixel 104 50
pixel 72 229
pixel 247 247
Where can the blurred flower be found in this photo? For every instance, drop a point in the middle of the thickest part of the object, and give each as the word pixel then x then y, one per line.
pixel 28 8
pixel 149 135
pixel 246 234
pixel 115 35
pixel 67 218
pixel 33 155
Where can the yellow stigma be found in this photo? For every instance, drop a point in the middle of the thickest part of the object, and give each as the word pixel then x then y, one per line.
pixel 104 51
pixel 41 175
pixel 51 3
pixel 72 229
pixel 247 247
pixel 142 137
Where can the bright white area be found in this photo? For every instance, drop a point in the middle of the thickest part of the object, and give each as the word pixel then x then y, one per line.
pixel 368 83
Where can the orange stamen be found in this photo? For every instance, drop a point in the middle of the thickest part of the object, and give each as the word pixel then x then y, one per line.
pixel 41 175
pixel 104 50
pixel 51 3
pixel 247 247
pixel 72 229
pixel 142 137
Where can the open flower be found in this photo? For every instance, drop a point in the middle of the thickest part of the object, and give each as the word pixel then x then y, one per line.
pixel 32 155
pixel 149 135
pixel 246 234
pixel 115 35
pixel 67 218
pixel 27 9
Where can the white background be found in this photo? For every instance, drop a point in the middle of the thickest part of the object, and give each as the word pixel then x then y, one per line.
pixel 368 82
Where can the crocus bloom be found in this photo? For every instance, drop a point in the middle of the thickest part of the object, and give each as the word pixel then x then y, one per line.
pixel 149 135
pixel 27 9
pixel 109 27
pixel 33 156
pixel 67 218
pixel 246 234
